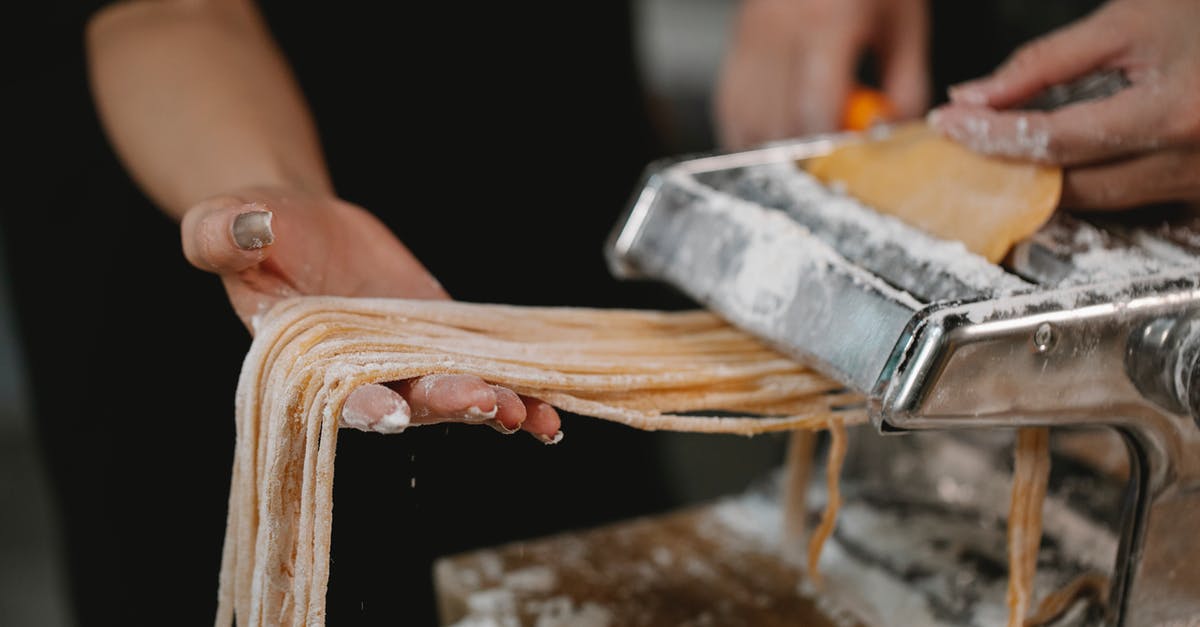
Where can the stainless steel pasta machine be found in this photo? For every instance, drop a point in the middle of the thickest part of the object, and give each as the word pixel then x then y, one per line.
pixel 1093 321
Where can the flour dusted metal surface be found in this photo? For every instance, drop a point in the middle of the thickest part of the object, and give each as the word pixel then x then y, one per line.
pixel 1091 321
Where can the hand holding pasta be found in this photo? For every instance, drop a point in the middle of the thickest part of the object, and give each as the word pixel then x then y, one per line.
pixel 268 244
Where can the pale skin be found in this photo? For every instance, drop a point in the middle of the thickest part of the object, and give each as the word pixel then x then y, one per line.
pixel 205 114
pixel 791 65
pixel 1139 146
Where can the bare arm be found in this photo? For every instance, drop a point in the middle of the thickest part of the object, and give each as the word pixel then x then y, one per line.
pixel 204 112
pixel 198 100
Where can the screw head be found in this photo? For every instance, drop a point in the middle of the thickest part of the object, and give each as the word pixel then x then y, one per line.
pixel 1044 338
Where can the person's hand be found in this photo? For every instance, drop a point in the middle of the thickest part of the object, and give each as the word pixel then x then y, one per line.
pixel 791 64
pixel 1139 146
pixel 271 244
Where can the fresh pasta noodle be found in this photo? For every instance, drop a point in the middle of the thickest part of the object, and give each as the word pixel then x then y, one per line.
pixel 1031 473
pixel 797 471
pixel 648 370
pixel 833 472
pixel 641 369
pixel 1090 586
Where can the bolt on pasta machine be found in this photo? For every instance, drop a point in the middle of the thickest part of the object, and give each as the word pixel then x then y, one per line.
pixel 1091 321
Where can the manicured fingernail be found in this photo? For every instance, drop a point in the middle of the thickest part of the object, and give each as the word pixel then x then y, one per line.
pixel 498 426
pixel 252 230
pixel 933 118
pixel 545 439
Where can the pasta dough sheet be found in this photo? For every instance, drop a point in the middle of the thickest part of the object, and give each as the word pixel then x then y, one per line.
pixel 638 368
pixel 945 189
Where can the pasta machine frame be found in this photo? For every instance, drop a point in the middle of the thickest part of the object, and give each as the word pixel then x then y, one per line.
pixel 1090 322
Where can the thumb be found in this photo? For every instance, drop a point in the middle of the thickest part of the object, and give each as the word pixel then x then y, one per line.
pixel 905 57
pixel 225 234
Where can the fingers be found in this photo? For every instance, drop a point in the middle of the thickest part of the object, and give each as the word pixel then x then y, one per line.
pixel 822 77
pixel 376 408
pixel 510 411
pixel 438 398
pixel 1065 54
pixel 751 89
pixel 226 235
pixel 542 421
pixel 1156 177
pixel 788 71
pixel 467 398
pixel 449 397
pixel 905 58
pixel 1076 134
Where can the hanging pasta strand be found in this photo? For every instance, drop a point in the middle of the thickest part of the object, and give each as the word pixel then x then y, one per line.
pixel 1031 474
pixel 833 473
pixel 637 368
pixel 649 370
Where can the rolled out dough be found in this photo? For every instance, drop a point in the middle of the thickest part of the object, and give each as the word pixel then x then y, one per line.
pixel 935 184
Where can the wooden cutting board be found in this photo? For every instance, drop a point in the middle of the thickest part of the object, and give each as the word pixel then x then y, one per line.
pixel 683 568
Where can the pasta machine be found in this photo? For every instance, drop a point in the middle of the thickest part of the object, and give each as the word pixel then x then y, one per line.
pixel 1093 321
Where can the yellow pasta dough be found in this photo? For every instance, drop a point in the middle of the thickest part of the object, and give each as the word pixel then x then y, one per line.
pixel 945 189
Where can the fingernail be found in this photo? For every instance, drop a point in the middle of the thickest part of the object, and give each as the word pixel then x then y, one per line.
pixel 545 439
pixel 933 118
pixel 252 230
pixel 365 403
pixel 967 93
pixel 475 414
pixel 495 424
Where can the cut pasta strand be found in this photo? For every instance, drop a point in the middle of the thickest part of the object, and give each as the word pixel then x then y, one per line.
pixel 642 369
pixel 637 368
pixel 833 472
pixel 1031 473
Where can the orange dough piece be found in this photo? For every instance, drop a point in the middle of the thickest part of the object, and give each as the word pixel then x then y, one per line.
pixel 945 189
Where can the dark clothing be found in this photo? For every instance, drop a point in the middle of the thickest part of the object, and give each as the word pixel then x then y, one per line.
pixel 533 138
pixel 502 167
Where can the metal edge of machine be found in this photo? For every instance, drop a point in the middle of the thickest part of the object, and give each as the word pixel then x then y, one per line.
pixel 1126 355
pixel 628 227
pixel 1048 343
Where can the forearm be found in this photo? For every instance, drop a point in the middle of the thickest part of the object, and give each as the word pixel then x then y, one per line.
pixel 197 100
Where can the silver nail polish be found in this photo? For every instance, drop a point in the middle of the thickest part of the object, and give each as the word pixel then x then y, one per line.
pixel 252 230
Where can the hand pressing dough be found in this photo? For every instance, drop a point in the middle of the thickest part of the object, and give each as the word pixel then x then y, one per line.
pixel 637 368
pixel 945 189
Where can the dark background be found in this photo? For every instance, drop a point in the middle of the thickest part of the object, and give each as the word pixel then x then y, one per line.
pixel 529 121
